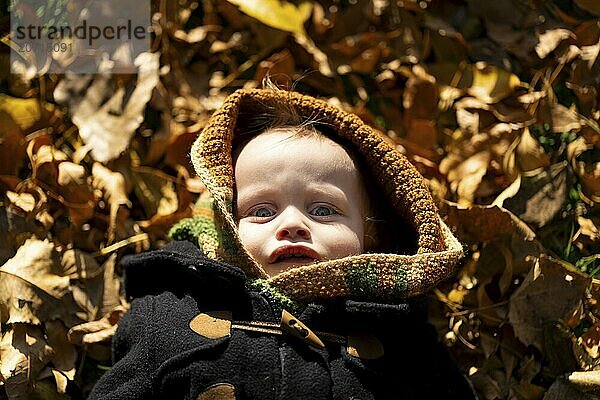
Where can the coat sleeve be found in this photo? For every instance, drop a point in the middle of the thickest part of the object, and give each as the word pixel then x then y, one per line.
pixel 130 376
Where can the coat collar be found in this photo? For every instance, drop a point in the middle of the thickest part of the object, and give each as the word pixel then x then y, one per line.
pixel 180 267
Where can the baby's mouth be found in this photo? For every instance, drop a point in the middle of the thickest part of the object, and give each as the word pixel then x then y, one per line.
pixel 294 254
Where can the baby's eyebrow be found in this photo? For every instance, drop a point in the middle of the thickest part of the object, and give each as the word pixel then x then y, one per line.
pixel 253 193
pixel 327 190
pixel 330 192
pixel 256 189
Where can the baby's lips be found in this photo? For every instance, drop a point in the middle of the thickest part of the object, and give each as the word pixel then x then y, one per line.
pixel 293 249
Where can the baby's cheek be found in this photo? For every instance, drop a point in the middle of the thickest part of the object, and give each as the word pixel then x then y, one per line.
pixel 345 242
pixel 250 238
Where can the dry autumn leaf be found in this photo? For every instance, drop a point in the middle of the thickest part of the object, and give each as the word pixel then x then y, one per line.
pixel 550 291
pixel 97 331
pixel 76 191
pixel 277 13
pixel 492 84
pixel 589 172
pixel 530 154
pixel 25 112
pixel 78 264
pixel 30 284
pixel 156 191
pixel 108 127
pixel 114 192
pixel 549 40
pixel 467 176
pixel 24 353
pixel 540 197
pixel 64 358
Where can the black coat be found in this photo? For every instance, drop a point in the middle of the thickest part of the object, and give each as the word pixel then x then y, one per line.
pixel 158 355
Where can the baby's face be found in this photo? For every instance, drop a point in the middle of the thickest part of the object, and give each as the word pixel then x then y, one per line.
pixel 299 200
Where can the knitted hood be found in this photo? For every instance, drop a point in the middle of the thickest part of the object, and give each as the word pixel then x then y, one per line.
pixel 373 276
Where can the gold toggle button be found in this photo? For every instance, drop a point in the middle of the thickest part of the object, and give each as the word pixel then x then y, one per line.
pixel 294 327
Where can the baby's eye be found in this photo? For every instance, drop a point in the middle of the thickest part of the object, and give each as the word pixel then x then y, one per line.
pixel 323 211
pixel 262 212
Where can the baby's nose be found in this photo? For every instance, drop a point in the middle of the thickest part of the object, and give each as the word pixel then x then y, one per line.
pixel 292 226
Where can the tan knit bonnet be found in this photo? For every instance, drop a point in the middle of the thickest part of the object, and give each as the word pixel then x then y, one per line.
pixel 366 276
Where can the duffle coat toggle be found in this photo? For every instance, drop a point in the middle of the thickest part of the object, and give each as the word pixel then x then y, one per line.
pixel 218 324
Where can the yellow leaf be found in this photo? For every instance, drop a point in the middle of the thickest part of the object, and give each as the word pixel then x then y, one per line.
pixel 25 112
pixel 277 14
pixel 491 84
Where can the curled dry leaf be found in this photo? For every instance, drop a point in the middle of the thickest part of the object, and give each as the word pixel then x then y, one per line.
pixel 24 353
pixel 97 294
pixel 110 287
pixel 468 120
pixel 564 119
pixel 97 331
pixel 113 187
pixel 494 225
pixel 549 41
pixel 107 128
pixel 550 291
pixel 78 264
pixel 530 154
pixel 23 201
pixel 539 197
pixel 76 190
pixel 420 100
pixel 180 207
pixel 65 354
pixel 588 173
pixel 44 161
pixel 156 191
pixel 194 35
pixel 30 284
pixel 588 228
pixel 467 176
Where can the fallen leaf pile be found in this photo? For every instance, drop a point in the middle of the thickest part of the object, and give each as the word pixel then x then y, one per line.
pixel 495 102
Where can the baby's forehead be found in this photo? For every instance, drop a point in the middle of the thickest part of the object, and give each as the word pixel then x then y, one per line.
pixel 300 146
